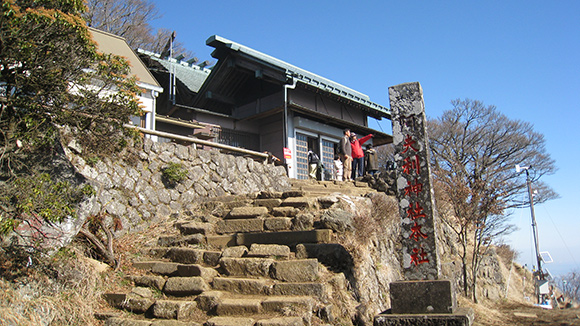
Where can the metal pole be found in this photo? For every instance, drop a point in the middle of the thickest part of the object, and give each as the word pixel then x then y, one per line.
pixel 535 231
pixel 173 74
pixel 285 117
pixel 263 156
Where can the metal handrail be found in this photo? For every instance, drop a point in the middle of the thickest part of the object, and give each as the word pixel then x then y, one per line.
pixel 264 156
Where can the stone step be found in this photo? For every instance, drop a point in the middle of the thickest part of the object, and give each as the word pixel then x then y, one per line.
pixel 252 305
pixel 333 255
pixel 235 251
pixel 194 227
pixel 221 241
pixel 208 300
pixel 185 255
pixel 268 203
pixel 292 193
pixel 240 225
pixel 302 270
pixel 278 224
pixel 151 281
pixel 248 212
pixel 230 321
pixel 354 191
pixel 180 240
pixel 246 267
pixel 288 238
pixel 239 307
pixel 174 309
pixel 165 309
pixel 285 211
pixel 298 306
pixel 269 195
pixel 323 189
pixel 185 286
pixel 120 321
pixel 311 289
pixel 176 269
pixel 138 301
pixel 269 250
pixel 270 223
pixel 252 286
pixel 242 285
pixel 281 321
pixel 299 202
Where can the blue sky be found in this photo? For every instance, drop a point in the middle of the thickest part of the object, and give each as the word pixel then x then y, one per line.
pixel 521 56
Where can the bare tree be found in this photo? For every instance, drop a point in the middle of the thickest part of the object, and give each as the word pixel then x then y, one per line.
pixel 131 19
pixel 386 156
pixel 570 285
pixel 474 152
pixel 126 18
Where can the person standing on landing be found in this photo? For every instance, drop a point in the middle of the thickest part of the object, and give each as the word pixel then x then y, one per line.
pixel 345 152
pixel 358 155
pixel 371 160
pixel 338 174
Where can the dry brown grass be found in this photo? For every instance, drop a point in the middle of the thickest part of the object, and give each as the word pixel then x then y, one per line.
pixel 62 290
pixel 66 289
pixel 506 253
pixel 381 217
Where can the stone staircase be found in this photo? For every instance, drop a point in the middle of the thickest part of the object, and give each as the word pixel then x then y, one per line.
pixel 242 260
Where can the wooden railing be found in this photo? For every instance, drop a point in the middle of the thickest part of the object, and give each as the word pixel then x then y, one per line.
pixel 256 155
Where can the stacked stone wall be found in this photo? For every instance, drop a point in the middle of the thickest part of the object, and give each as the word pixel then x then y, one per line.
pixel 133 188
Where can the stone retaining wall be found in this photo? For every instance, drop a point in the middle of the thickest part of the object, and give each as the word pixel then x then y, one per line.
pixel 133 189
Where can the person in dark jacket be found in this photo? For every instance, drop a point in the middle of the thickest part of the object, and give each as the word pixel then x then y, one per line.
pixel 358 154
pixel 371 160
pixel 345 153
pixel 313 165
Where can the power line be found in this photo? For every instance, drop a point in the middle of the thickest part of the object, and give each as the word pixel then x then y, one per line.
pixel 562 238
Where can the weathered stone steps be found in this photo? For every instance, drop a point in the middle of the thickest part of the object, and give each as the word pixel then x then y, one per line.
pixel 340 186
pixel 241 321
pixel 301 270
pixel 288 238
pixel 176 269
pixel 269 305
pixel 141 301
pixel 120 321
pixel 215 321
pixel 254 269
pixel 247 286
pixel 244 238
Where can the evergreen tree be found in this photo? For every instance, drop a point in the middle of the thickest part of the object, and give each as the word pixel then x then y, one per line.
pixel 52 76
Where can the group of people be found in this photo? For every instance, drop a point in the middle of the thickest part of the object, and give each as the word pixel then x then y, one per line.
pixel 352 159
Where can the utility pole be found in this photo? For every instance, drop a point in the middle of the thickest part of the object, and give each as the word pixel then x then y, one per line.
pixel 534 230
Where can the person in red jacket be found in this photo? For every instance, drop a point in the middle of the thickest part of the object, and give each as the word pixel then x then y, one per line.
pixel 358 154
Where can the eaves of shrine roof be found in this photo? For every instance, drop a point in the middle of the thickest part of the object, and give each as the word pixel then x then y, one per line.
pixel 299 74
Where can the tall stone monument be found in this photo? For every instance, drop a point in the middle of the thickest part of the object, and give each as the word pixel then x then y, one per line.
pixel 421 298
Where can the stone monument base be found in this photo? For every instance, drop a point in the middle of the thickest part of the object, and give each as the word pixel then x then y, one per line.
pixel 423 297
pixel 461 317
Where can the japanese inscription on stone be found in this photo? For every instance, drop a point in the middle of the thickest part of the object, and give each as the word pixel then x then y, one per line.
pixel 416 199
